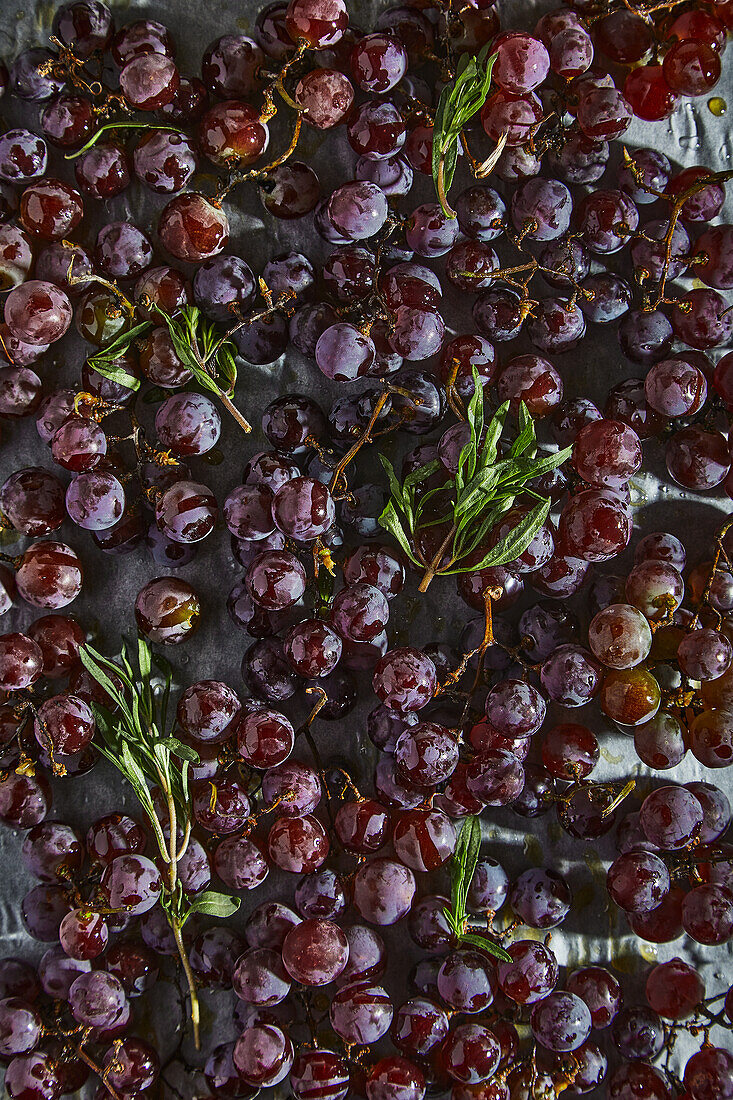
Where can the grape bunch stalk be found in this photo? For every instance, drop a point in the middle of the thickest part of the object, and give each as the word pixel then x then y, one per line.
pixel 397 855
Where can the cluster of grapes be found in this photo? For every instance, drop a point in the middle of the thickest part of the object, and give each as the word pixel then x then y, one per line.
pixel 459 731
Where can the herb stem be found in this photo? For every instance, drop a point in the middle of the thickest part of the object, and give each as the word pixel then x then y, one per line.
pixel 234 411
pixel 174 917
pixel 440 188
pixel 432 569
pixel 195 1011
pixel 117 126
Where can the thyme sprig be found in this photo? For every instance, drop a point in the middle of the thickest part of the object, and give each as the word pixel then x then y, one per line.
pixel 457 105
pixel 483 490
pixel 133 735
pixel 462 867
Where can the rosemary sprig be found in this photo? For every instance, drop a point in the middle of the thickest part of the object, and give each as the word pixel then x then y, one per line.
pixel 457 105
pixel 462 867
pixel 134 736
pixel 208 355
pixel 483 490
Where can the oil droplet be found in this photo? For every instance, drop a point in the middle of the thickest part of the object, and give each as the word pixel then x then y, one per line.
pixel 584 897
pixel 610 758
pixel 717 106
pixel 533 850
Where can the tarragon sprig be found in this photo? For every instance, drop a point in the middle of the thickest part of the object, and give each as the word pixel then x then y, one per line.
pixel 197 343
pixel 134 736
pixel 106 361
pixel 457 105
pixel 462 868
pixel 207 354
pixel 482 491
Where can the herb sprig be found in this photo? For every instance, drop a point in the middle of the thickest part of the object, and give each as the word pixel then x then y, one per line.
pixel 457 105
pixel 134 736
pixel 119 126
pixel 208 355
pixel 462 867
pixel 106 360
pixel 197 343
pixel 483 490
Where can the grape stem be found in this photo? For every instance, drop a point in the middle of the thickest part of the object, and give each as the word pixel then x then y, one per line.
pixel 365 437
pixel 78 1049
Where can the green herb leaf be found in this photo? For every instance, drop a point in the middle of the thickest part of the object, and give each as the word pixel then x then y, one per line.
pixel 389 520
pixel 105 360
pixel 457 104
pixel 483 943
pixel 463 864
pixel 395 488
pixel 518 539
pixel 526 436
pixel 493 434
pixel 212 904
pixel 422 473
pixel 183 752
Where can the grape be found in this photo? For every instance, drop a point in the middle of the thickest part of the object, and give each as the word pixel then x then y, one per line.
pixel 570 751
pixel 325 96
pixel 660 743
pixel 637 1078
pixel 319 1073
pixel 532 973
pixel 275 578
pixel 711 738
pixel 259 977
pixel 33 1077
pixel 674 989
pixel 395 1078
pixel 361 1013
pixel 131 882
pixel 542 207
pixel 638 1032
pixel 707 914
pixel 97 999
pixel 601 992
pixel 465 981
pixel 540 899
pixel 638 881
pixel 606 454
pixel 263 1055
pixel 671 817
pixel 561 1021
pixel 383 891
pixel 716 810
pixel 192 229
pixel 709 1072
pixel 20 1027
pixel 222 807
pixel 315 952
pixel 37 312
pixel 571 676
